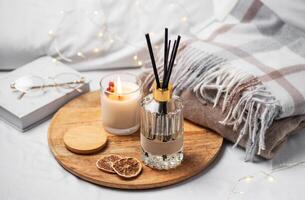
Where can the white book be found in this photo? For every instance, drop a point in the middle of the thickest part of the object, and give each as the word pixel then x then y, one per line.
pixel 34 107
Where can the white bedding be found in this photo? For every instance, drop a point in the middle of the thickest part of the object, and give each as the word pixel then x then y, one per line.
pixel 28 171
pixel 91 34
pixel 71 30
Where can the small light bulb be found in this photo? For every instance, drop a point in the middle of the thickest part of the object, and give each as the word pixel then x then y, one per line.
pixel 54 60
pixel 95 12
pixel 140 63
pixel 135 57
pixel 111 40
pixel 51 33
pixel 184 19
pixel 80 54
pixel 62 12
pixel 100 34
pixel 96 50
pixel 271 179
pixel 248 178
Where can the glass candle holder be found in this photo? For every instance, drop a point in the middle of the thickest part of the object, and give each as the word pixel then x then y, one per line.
pixel 162 130
pixel 120 101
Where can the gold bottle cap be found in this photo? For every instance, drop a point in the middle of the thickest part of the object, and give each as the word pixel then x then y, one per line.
pixel 162 95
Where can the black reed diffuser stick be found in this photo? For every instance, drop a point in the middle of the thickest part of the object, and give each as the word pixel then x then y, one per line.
pixel 168 65
pixel 152 58
pixel 172 61
pixel 166 70
pixel 165 56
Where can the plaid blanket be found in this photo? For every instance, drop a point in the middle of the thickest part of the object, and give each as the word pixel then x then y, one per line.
pixel 252 65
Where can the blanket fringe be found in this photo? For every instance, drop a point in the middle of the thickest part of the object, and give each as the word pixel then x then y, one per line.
pixel 249 107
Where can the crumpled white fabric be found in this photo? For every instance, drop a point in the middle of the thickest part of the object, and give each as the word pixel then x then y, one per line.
pixel 30 29
pixel 25 26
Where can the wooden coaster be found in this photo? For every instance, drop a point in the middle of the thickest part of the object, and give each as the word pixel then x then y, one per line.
pixel 85 139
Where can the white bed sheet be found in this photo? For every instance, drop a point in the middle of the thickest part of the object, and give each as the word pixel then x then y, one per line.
pixel 28 171
pixel 70 30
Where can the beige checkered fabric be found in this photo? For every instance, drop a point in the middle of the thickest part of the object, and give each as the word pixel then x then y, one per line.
pixel 252 65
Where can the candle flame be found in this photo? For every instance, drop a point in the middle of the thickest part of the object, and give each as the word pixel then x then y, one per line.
pixel 119 86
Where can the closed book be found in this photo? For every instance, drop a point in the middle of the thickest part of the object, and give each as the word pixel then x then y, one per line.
pixel 55 84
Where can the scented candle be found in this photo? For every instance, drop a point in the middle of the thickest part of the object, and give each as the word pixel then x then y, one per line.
pixel 120 98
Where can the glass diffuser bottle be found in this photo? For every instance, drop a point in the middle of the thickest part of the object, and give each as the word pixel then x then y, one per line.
pixel 162 129
pixel 161 115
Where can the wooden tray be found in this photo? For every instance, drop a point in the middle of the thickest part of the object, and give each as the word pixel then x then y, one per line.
pixel 201 146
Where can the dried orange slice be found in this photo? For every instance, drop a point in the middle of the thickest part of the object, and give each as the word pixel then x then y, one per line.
pixel 105 163
pixel 127 167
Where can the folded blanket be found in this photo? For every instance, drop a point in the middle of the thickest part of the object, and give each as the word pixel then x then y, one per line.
pixel 251 69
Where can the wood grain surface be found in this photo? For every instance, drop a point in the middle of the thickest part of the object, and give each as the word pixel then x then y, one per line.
pixel 85 139
pixel 201 146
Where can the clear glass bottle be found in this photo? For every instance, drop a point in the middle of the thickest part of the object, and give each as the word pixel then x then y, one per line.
pixel 162 129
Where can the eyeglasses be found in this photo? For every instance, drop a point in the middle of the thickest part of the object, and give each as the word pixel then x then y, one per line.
pixel 36 85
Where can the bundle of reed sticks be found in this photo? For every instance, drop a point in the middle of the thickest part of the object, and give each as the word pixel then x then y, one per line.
pixel 169 59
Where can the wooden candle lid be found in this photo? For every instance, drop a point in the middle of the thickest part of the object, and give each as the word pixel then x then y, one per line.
pixel 85 139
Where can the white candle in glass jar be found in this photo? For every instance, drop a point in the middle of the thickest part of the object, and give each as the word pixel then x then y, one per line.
pixel 120 107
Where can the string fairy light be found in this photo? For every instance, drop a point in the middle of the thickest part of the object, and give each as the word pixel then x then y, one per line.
pixel 60 55
pixel 271 179
pixel 140 63
pixel 135 57
pixel 51 33
pixel 268 176
pixel 248 178
pixel 184 19
pixel 186 15
pixel 54 60
pixel 80 54
pixel 100 34
pixel 104 31
pixel 96 50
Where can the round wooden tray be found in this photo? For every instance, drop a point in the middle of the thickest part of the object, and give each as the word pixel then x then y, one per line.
pixel 201 146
